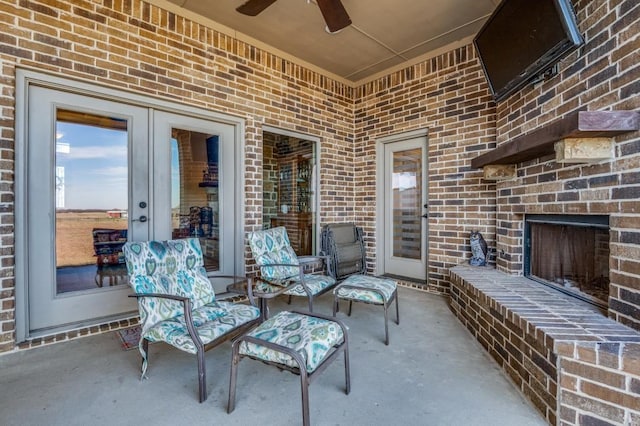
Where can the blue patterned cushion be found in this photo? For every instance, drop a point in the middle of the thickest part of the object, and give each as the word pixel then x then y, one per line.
pixel 315 283
pixel 270 247
pixel 365 284
pixel 211 321
pixel 167 267
pixel 313 338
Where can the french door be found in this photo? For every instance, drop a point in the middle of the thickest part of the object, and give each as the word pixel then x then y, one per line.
pixel 88 169
pixel 100 172
pixel 202 178
pixel 405 207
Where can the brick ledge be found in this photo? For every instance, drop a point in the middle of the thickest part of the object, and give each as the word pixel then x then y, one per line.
pixel 574 364
pixel 559 316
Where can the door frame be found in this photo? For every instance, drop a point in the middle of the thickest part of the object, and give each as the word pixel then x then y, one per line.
pixel 380 195
pixel 26 78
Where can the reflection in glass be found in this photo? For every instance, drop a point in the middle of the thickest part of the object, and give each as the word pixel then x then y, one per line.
pixel 91 201
pixel 288 182
pixel 194 191
pixel 407 200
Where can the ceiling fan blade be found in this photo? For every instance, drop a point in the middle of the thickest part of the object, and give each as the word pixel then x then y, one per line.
pixel 253 7
pixel 335 15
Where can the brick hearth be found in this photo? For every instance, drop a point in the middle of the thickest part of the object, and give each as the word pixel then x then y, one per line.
pixel 575 365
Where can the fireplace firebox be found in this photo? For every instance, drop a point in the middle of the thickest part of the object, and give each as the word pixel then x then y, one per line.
pixel 569 253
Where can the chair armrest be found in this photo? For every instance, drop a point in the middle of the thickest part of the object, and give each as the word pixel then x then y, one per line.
pixel 312 259
pixel 186 307
pixel 307 260
pixel 160 295
pixel 274 289
pixel 284 264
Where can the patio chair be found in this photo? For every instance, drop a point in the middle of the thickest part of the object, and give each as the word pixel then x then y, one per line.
pixel 342 242
pixel 302 343
pixel 280 267
pixel 177 302
pixel 344 245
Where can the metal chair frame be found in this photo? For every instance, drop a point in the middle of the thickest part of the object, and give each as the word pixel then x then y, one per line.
pixel 305 378
pixel 201 348
pixel 306 263
pixel 385 304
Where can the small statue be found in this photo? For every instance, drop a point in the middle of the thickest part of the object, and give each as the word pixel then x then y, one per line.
pixel 478 249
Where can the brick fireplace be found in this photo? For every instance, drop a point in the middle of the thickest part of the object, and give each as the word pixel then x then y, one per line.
pixel 577 363
pixel 550 188
pixel 569 253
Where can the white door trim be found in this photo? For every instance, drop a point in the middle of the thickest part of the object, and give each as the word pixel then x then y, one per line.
pixel 30 77
pixel 380 196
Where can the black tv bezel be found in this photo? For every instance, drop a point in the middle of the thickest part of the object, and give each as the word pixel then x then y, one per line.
pixel 573 39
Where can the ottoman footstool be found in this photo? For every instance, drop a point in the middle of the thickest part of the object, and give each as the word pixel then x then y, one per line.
pixel 368 289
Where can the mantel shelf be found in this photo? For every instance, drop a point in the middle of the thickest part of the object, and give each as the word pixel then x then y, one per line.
pixel 540 142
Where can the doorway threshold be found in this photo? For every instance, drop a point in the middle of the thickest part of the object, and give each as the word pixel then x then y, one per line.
pixel 405 279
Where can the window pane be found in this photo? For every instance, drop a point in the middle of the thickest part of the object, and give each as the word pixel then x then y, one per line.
pixel 407 196
pixel 91 201
pixel 194 191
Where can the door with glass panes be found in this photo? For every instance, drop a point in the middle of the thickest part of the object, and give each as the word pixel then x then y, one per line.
pixel 100 173
pixel 405 207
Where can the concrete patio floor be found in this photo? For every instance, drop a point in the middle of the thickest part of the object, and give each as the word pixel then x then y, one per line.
pixel 432 373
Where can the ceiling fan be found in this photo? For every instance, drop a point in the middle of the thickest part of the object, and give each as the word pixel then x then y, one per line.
pixel 333 12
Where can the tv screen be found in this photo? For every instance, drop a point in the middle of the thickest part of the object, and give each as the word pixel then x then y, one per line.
pixel 524 38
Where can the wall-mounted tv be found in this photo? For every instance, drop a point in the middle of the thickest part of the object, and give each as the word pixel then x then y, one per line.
pixel 524 38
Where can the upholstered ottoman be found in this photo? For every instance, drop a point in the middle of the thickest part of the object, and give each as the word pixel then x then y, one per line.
pixel 368 289
pixel 303 343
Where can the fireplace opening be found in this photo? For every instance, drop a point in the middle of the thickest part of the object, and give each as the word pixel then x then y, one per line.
pixel 569 253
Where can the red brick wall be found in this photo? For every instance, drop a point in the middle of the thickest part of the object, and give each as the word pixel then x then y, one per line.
pixel 603 75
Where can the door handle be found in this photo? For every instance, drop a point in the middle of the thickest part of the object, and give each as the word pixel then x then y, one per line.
pixel 426 215
pixel 142 219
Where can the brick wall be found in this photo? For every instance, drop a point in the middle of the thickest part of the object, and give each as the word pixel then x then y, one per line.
pixel 576 366
pixel 133 46
pixel 600 383
pixel 448 96
pixel 603 75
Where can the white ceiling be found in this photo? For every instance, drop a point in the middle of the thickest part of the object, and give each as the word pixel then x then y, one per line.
pixel 385 34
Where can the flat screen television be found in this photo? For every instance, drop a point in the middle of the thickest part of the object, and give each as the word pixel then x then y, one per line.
pixel 524 38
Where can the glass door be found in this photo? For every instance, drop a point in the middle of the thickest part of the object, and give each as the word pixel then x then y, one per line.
pixel 405 195
pixel 87 194
pixel 202 192
pixel 97 171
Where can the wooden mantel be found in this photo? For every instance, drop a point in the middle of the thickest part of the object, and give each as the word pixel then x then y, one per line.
pixel 540 142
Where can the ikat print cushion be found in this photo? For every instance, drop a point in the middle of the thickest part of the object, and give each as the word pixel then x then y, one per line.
pixel 272 247
pixel 313 338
